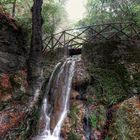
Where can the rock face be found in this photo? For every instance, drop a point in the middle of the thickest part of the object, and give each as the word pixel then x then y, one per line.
pixel 51 58
pixel 73 124
pixel 13 80
pixel 13 51
pixel 81 76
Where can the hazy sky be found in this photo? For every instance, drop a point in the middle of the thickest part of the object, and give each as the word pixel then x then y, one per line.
pixel 75 9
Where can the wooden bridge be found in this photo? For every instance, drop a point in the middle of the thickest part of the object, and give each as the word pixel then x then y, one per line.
pixel 75 38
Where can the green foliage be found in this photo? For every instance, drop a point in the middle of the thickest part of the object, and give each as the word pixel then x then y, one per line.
pixel 108 87
pixel 90 100
pixel 93 120
pixel 101 11
pixel 73 114
pixel 73 136
pixel 107 138
pixel 112 73
pixel 97 117
pixel 52 12
pixel 6 1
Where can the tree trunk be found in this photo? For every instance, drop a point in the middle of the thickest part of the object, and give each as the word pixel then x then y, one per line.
pixel 35 61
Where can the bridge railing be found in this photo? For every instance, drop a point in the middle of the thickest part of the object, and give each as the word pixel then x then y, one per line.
pixel 74 38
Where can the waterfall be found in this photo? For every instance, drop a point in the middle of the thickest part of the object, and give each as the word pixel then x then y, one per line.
pixel 56 101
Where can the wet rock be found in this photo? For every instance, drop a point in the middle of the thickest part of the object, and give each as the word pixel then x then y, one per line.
pixel 81 75
pixel 66 128
pixel 51 59
pixel 74 94
pixel 73 124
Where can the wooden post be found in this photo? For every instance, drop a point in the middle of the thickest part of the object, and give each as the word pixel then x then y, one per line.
pixel 66 53
pixel 52 44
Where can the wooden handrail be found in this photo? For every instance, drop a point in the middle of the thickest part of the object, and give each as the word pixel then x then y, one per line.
pixel 93 33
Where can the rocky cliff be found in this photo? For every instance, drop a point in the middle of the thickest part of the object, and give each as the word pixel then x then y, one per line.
pixel 13 83
pixel 13 47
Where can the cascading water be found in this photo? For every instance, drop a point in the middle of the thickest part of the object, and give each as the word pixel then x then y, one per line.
pixel 55 104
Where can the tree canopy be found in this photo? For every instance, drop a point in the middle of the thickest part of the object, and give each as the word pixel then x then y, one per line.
pixel 102 11
pixel 52 11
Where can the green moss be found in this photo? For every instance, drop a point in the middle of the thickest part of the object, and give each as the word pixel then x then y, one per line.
pixel 112 83
pixel 73 136
pixel 107 86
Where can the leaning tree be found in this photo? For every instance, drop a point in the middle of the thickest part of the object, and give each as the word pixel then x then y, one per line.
pixel 35 61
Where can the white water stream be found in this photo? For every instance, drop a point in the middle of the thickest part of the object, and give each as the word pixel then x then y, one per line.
pixel 63 81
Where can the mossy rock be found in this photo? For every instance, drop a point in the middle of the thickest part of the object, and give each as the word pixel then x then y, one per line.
pixel 126 124
pixel 113 71
pixel 107 87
